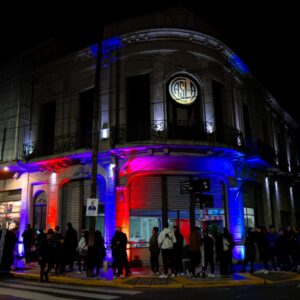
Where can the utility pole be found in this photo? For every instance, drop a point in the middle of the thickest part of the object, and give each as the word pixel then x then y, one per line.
pixel 95 146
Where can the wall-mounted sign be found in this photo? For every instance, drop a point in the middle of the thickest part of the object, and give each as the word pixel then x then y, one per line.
pixel 92 207
pixel 183 90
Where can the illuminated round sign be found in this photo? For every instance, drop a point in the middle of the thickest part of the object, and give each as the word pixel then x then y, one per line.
pixel 183 90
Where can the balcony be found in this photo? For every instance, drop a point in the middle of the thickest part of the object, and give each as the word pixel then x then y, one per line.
pixel 61 144
pixel 161 131
pixel 256 147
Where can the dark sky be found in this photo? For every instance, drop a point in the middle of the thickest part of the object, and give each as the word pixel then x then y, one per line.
pixel 263 35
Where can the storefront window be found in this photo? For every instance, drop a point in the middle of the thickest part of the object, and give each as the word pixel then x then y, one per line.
pixel 10 214
pixel 141 230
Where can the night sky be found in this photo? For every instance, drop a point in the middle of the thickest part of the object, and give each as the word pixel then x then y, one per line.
pixel 265 37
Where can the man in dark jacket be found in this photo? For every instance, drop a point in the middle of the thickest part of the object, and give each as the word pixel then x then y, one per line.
pixel 208 245
pixel 249 251
pixel 70 244
pixel 154 252
pixel 43 252
pixel 28 237
pixel 118 246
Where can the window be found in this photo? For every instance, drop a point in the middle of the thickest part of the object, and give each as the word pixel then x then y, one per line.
pixel 47 127
pixel 86 103
pixel 141 230
pixel 138 107
pixel 249 217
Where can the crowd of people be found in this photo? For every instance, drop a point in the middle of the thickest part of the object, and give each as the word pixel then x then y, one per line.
pixel 198 254
pixel 59 253
pixel 277 250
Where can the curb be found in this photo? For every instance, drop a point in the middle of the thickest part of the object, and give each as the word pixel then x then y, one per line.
pixel 151 282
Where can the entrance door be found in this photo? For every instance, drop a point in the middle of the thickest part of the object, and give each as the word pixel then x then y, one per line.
pixel 40 211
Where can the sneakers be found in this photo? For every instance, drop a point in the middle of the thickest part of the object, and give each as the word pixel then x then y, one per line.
pixel 173 275
pixel 163 276
pixel 157 273
pixel 211 275
pixel 266 272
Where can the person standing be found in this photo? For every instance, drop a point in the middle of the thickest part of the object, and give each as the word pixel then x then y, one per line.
pixel 154 252
pixel 166 240
pixel 71 242
pixel 224 248
pixel 195 253
pixel 272 241
pixel 58 250
pixel 28 238
pixel 42 252
pixel 250 251
pixel 100 251
pixel 9 249
pixel 82 251
pixel 208 245
pixel 178 251
pixel 118 246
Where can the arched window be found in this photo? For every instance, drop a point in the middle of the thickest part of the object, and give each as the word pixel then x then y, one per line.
pixel 40 210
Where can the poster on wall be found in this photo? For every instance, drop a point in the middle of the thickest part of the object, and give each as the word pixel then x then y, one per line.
pixel 92 207
pixel 10 214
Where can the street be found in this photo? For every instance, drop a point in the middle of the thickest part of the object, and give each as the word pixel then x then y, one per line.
pixel 28 289
pixel 25 289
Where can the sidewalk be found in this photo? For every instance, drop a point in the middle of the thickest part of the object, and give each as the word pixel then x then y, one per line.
pixel 140 278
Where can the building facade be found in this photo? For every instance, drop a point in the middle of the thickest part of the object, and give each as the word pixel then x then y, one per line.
pixel 185 134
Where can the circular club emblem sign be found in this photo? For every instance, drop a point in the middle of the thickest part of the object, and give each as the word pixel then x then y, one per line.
pixel 183 90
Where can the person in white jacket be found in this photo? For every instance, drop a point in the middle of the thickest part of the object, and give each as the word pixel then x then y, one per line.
pixel 166 240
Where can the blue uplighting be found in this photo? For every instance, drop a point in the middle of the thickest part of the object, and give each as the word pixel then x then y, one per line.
pixel 238 64
pixel 111 45
pixel 94 49
pixel 108 47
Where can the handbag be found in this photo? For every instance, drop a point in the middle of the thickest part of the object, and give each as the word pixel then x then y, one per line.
pixel 83 252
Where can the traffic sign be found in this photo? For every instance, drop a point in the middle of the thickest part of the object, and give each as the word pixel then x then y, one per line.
pixel 185 187
pixel 201 185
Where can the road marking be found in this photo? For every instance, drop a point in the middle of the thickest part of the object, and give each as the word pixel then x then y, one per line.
pixel 27 295
pixel 108 290
pixel 69 292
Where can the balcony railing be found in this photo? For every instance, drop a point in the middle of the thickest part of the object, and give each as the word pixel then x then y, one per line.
pixel 256 147
pixel 162 131
pixel 61 144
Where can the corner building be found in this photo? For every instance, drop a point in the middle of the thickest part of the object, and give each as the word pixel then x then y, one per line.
pixel 186 134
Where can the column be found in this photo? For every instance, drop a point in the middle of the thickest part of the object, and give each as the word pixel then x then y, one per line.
pixel 236 219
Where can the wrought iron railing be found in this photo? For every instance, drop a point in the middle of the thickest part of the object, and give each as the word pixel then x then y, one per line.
pixel 256 147
pixel 60 144
pixel 162 131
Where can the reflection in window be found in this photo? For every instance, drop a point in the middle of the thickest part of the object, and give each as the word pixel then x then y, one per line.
pixel 249 217
pixel 141 230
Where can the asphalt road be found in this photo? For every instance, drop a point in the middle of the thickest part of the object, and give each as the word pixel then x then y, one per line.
pixel 13 289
